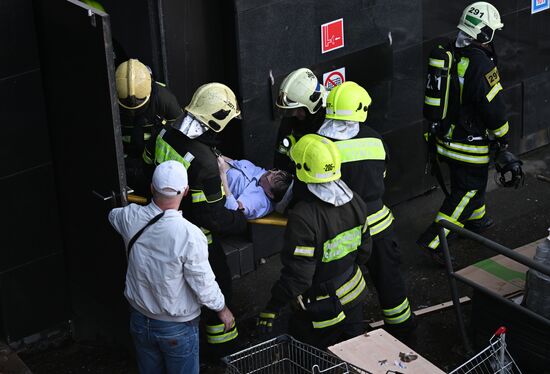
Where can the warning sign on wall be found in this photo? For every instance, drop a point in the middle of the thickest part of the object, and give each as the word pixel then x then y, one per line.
pixel 334 78
pixel 332 35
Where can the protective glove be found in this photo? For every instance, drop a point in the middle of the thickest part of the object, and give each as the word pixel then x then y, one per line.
pixel 266 321
pixel 506 163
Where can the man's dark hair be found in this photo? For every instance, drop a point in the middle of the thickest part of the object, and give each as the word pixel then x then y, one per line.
pixel 280 183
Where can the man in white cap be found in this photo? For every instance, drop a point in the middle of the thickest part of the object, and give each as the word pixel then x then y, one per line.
pixel 168 277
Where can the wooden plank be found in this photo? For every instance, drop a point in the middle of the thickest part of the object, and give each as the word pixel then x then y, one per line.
pixel 432 308
pixel 378 352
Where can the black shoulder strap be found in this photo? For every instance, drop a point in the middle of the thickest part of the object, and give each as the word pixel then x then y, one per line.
pixel 138 234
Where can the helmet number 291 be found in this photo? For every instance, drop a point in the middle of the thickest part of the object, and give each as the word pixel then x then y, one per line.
pixel 476 12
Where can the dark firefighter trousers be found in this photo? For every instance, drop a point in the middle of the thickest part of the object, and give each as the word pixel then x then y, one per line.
pixel 384 269
pixel 466 201
pixel 301 328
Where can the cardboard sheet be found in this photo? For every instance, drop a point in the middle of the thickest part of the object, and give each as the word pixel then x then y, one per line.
pixel 501 274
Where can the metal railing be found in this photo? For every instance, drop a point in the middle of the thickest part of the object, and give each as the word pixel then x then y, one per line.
pixel 453 277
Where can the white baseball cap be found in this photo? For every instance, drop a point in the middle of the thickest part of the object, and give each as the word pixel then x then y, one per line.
pixel 170 178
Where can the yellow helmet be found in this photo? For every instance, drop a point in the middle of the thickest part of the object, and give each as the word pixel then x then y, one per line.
pixel 480 21
pixel 214 104
pixel 317 159
pixel 348 102
pixel 133 84
pixel 301 89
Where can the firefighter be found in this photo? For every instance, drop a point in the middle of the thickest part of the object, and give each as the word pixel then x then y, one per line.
pixel 192 140
pixel 145 106
pixel 364 156
pixel 477 119
pixel 325 243
pixel 301 97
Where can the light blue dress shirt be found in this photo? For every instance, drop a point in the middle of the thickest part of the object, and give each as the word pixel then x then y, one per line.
pixel 243 178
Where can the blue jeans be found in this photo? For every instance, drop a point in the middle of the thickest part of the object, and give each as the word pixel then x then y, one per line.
pixel 165 347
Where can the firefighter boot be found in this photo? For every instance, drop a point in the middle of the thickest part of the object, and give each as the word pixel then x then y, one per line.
pixel 479 225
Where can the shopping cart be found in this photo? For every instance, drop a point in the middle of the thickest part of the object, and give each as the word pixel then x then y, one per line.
pixel 286 355
pixel 493 359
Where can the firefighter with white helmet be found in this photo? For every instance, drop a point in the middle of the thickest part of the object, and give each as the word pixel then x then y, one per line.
pixel 326 241
pixel 301 98
pixel 476 121
pixel 145 107
pixel 192 140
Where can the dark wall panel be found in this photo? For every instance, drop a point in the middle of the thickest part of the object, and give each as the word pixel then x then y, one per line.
pixel 32 274
pixel 18 53
pixel 25 139
pixel 33 297
pixel 195 43
pixel 32 217
pixel 88 158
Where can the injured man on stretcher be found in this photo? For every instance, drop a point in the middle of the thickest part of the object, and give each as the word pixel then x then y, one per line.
pixel 252 189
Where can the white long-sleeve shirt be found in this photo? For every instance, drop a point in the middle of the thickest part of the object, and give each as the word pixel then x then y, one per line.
pixel 169 276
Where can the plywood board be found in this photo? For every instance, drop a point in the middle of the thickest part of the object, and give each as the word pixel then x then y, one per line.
pixel 377 351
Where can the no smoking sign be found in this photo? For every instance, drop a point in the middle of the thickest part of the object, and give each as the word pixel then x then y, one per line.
pixel 334 78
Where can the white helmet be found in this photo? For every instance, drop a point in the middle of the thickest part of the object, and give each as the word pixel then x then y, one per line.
pixel 214 104
pixel 480 21
pixel 301 89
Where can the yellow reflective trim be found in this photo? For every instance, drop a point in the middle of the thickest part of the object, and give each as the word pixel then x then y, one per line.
pixel 267 315
pixel 463 202
pixel 342 244
pixel 224 338
pixel 454 217
pixel 215 329
pixel 146 158
pixel 330 322
pixel 349 285
pixel 343 290
pixel 436 63
pixel 304 251
pixel 197 197
pixel 398 309
pixel 361 149
pixel 373 218
pixel 441 216
pixel 435 242
pixel 400 319
pixel 165 152
pixel 496 89
pixel 462 157
pixel 433 101
pixel 462 66
pixel 477 214
pixel 502 130
pixel 355 293
pixel 381 226
pixel 477 149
